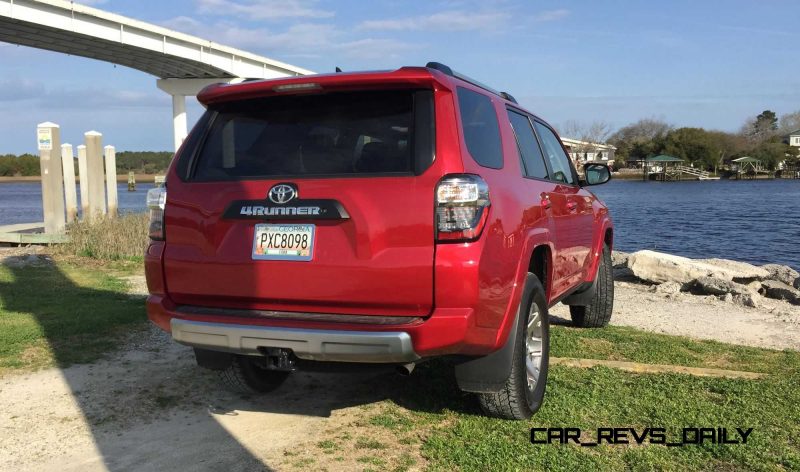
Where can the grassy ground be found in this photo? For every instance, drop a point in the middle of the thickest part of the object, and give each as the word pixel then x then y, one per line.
pixel 431 415
pixel 70 311
pixel 63 313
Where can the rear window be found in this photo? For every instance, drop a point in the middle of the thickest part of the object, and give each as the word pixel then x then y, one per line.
pixel 481 128
pixel 371 132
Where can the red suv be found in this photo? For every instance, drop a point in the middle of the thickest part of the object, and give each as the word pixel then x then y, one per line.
pixel 376 217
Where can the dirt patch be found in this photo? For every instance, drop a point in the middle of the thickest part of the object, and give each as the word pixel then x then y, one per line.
pixel 149 407
pixel 775 324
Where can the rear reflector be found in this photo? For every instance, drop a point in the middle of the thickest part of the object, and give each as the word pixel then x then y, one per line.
pixel 462 207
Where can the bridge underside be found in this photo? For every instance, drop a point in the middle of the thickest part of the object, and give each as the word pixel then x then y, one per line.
pixel 76 44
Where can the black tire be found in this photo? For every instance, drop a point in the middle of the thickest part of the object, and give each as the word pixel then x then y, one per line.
pixel 598 313
pixel 515 401
pixel 246 375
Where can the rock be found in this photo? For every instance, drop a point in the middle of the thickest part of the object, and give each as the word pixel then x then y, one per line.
pixel 727 298
pixel 619 259
pixel 669 288
pixel 753 300
pixel 780 291
pixel 715 286
pixel 658 268
pixel 782 273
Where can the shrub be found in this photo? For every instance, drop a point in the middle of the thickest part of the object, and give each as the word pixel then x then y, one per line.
pixel 109 238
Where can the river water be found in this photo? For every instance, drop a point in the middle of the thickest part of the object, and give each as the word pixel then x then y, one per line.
pixel 754 221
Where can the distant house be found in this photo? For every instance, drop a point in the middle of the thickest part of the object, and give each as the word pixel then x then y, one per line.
pixel 582 152
pixel 793 138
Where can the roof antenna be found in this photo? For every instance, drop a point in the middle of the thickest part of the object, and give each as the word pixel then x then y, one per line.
pixel 338 69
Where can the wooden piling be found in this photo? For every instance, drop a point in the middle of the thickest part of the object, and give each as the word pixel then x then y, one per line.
pixel 49 144
pixel 83 178
pixel 94 174
pixel 111 179
pixel 70 195
pixel 131 181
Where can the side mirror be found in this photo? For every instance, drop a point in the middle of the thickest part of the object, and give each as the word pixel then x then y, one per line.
pixel 595 174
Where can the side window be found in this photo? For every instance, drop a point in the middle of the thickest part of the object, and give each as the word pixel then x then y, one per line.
pixel 481 128
pixel 559 162
pixel 529 150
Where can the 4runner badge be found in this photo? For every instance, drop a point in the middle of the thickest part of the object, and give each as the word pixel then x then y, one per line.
pixel 282 193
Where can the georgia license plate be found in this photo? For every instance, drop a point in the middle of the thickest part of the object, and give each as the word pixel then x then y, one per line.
pixel 283 242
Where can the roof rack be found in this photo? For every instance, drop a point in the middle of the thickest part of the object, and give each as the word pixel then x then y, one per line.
pixel 448 71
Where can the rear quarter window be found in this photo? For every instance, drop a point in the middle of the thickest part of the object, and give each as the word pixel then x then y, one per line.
pixel 481 128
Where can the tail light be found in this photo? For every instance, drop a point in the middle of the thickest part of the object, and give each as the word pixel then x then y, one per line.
pixel 462 207
pixel 156 200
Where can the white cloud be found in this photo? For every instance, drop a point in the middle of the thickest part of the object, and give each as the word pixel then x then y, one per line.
pixel 263 9
pixel 454 20
pixel 552 15
pixel 298 40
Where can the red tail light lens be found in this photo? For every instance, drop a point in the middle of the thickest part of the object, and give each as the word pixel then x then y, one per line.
pixel 462 207
pixel 156 201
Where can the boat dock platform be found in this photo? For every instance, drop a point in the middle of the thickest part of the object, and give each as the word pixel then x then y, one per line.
pixel 28 233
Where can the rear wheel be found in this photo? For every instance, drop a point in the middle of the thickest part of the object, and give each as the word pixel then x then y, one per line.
pixel 249 375
pixel 524 389
pixel 598 313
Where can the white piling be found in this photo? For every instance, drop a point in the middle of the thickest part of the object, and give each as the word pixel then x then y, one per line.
pixel 70 196
pixel 94 167
pixel 83 178
pixel 111 179
pixel 49 144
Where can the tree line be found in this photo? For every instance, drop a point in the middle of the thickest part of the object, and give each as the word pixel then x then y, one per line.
pixel 141 162
pixel 762 136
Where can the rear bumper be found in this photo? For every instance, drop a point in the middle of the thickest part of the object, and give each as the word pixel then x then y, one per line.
pixel 309 344
pixel 444 332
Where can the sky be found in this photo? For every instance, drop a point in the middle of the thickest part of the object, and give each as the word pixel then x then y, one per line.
pixel 692 63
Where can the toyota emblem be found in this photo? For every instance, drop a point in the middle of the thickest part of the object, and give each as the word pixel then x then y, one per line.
pixel 282 193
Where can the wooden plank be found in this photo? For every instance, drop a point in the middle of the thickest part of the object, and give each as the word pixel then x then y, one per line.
pixel 21 227
pixel 656 368
pixel 32 238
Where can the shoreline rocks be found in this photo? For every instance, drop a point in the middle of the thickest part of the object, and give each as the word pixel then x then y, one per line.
pixel 734 281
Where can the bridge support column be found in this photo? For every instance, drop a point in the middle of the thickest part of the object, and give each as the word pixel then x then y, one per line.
pixel 179 128
pixel 179 89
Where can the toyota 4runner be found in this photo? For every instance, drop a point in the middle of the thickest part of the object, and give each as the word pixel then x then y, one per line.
pixel 377 217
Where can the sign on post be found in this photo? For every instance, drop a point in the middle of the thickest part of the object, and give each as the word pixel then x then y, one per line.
pixel 48 142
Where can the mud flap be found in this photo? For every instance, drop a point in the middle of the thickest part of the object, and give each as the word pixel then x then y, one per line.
pixel 213 360
pixel 489 373
pixel 584 295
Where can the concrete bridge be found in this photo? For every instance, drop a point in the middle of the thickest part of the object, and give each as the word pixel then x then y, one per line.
pixel 182 63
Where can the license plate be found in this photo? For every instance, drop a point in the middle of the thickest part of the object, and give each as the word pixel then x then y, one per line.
pixel 283 242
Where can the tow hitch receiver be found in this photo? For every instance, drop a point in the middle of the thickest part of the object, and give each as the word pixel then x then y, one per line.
pixel 279 359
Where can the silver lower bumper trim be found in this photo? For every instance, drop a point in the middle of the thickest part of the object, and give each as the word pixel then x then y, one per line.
pixel 310 344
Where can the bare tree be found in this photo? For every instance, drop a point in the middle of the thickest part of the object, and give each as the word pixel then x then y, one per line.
pixel 590 134
pixel 788 123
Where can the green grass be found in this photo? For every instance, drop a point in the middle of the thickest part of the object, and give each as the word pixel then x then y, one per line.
pixel 458 437
pixel 119 238
pixel 61 314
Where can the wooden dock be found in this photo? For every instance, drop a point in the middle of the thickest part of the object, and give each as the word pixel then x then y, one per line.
pixel 29 233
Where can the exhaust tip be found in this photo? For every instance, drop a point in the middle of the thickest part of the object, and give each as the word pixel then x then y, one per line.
pixel 406 369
